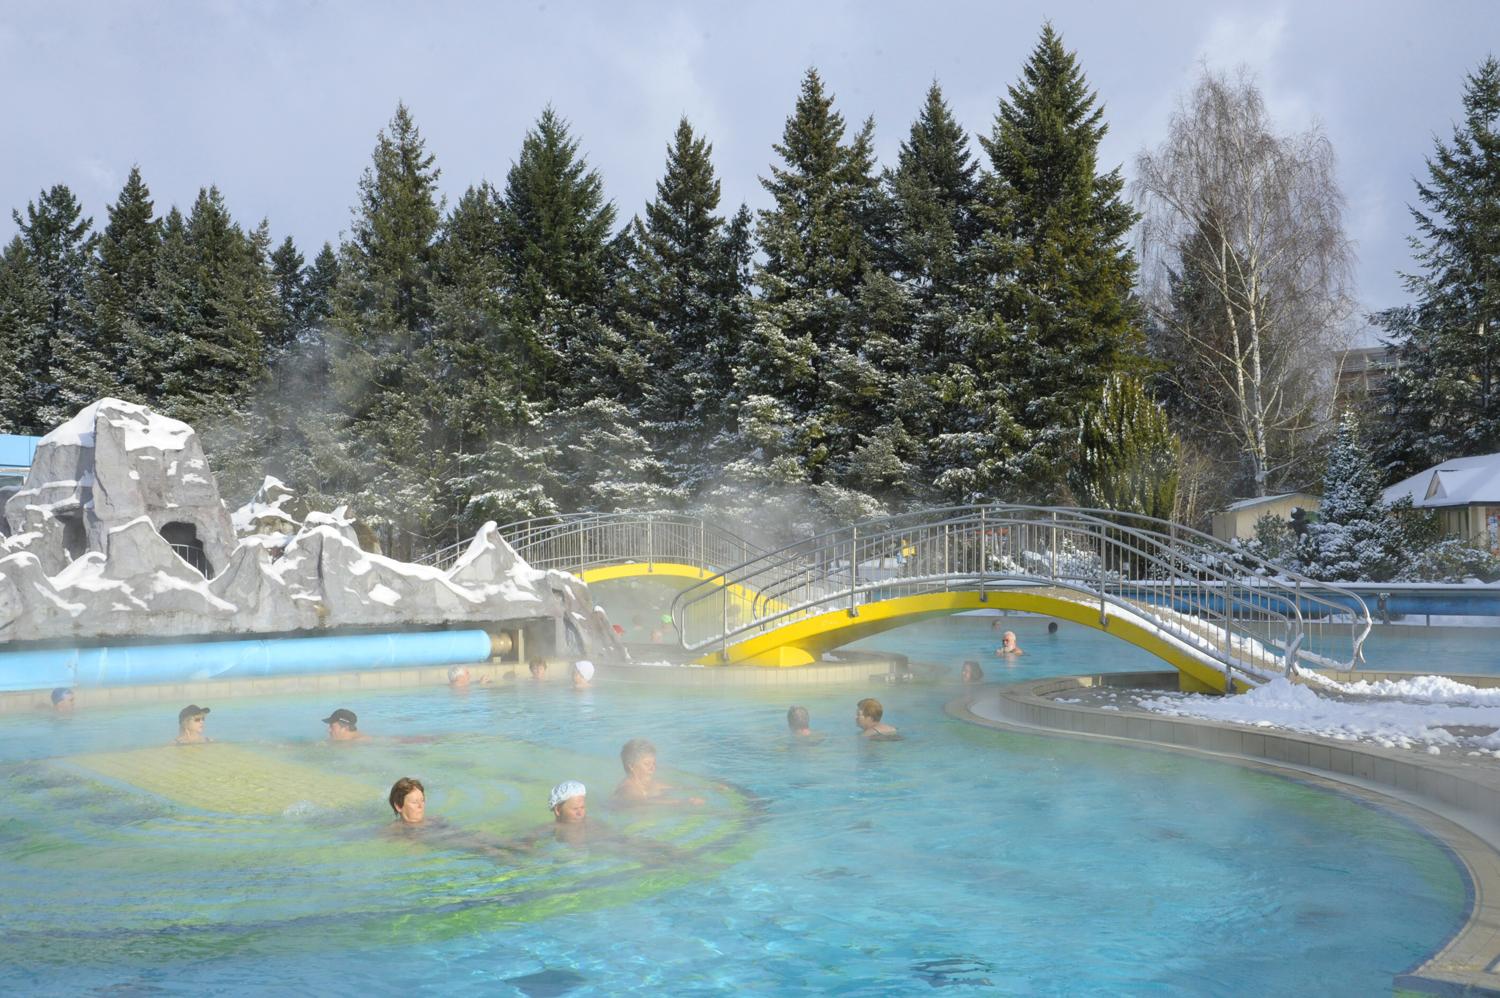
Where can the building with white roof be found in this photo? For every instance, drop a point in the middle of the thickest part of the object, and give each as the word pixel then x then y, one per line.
pixel 1464 492
pixel 1238 518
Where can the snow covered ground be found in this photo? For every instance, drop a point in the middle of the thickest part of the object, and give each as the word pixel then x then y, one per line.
pixel 1423 713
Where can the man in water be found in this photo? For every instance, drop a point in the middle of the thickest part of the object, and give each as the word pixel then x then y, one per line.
pixel 867 715
pixel 1008 646
pixel 62 700
pixel 640 785
pixel 343 726
pixel 190 725
pixel 538 669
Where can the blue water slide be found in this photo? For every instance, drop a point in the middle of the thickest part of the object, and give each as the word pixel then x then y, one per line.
pixel 134 665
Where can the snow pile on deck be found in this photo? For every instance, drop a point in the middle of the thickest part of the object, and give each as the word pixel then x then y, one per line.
pixel 1426 712
pixel 119 532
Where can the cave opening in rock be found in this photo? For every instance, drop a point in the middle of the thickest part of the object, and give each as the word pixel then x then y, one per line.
pixel 184 540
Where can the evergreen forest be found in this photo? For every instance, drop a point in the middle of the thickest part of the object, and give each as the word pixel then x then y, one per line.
pixel 974 321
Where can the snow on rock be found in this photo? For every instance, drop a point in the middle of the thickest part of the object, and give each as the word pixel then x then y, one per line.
pixel 118 497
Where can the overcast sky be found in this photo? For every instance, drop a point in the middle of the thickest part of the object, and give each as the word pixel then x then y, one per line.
pixel 279 103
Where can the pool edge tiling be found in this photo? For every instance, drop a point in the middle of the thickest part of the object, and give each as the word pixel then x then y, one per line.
pixel 1456 802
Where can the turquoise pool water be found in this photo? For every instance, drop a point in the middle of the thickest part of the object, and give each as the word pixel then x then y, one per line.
pixel 961 858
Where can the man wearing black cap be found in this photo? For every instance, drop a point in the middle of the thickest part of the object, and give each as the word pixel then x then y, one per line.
pixel 343 726
pixel 190 725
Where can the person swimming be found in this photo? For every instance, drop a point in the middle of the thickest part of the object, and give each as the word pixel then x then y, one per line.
pixel 798 720
pixel 190 725
pixel 971 672
pixel 640 785
pixel 538 668
pixel 867 715
pixel 408 799
pixel 1008 645
pixel 1051 628
pixel 343 726
pixel 583 674
pixel 62 700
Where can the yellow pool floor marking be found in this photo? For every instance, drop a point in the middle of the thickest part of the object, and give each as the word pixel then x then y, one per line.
pixel 229 779
pixel 803 641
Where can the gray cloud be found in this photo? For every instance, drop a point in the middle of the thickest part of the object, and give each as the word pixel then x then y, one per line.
pixel 278 103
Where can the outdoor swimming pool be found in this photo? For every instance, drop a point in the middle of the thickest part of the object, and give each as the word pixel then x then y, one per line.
pixel 980 861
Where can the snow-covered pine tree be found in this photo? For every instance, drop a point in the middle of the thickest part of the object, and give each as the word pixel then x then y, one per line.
pixel 1066 311
pixel 807 347
pixel 23 330
pixel 932 230
pixel 121 284
pixel 381 322
pixel 1443 397
pixel 555 226
pixel 63 364
pixel 681 302
pixel 1354 538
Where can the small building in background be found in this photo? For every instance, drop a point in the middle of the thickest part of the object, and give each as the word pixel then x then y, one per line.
pixel 1362 373
pixel 1464 492
pixel 1238 519
pixel 16 454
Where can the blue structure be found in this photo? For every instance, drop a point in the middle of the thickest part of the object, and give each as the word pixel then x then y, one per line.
pixel 16 455
pixel 136 665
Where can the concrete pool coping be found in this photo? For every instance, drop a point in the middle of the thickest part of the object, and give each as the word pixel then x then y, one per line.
pixel 1457 800
pixel 854 670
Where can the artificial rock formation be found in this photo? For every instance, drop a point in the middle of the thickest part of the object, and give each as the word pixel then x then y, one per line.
pixel 119 532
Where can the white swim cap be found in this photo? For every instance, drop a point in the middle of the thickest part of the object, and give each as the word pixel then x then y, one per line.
pixel 585 668
pixel 566 790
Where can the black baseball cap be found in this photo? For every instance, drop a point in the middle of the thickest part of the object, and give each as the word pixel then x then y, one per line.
pixel 191 710
pixel 342 716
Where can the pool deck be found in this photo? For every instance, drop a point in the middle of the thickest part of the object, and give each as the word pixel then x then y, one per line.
pixel 1455 798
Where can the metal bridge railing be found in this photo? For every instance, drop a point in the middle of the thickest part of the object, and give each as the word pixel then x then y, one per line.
pixel 575 542
pixel 1238 613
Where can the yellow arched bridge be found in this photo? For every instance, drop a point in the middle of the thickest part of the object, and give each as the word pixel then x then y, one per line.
pixel 1223 619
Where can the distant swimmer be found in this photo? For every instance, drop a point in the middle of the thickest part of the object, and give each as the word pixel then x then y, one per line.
pixel 62 700
pixel 799 721
pixel 343 726
pixel 867 715
pixel 971 672
pixel 538 669
pixel 1051 628
pixel 1008 645
pixel 583 674
pixel 459 678
pixel 190 725
pixel 640 785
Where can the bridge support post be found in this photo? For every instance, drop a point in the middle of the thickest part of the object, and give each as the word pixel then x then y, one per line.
pixel 853 570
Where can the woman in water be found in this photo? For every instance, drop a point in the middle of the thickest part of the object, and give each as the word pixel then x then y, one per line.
pixel 640 785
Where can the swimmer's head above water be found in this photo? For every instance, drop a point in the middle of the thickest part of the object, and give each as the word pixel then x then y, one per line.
pixel 409 800
pixel 568 802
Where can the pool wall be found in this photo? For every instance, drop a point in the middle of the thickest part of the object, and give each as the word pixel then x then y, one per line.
pixel 1456 799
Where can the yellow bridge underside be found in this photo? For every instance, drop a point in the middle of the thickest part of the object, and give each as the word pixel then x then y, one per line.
pixel 803 642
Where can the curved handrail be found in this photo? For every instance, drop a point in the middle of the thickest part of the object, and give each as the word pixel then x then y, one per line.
pixel 1176 578
pixel 576 542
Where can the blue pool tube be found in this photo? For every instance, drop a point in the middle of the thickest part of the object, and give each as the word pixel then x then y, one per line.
pixel 133 665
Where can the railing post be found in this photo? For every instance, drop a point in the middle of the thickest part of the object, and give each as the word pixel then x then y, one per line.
pixel 947 572
pixel 703 546
pixel 1053 545
pixel 984 556
pixel 582 556
pixel 723 618
pixel 650 546
pixel 1103 616
pixel 853 570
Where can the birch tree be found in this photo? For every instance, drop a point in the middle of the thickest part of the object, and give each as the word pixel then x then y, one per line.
pixel 1245 271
